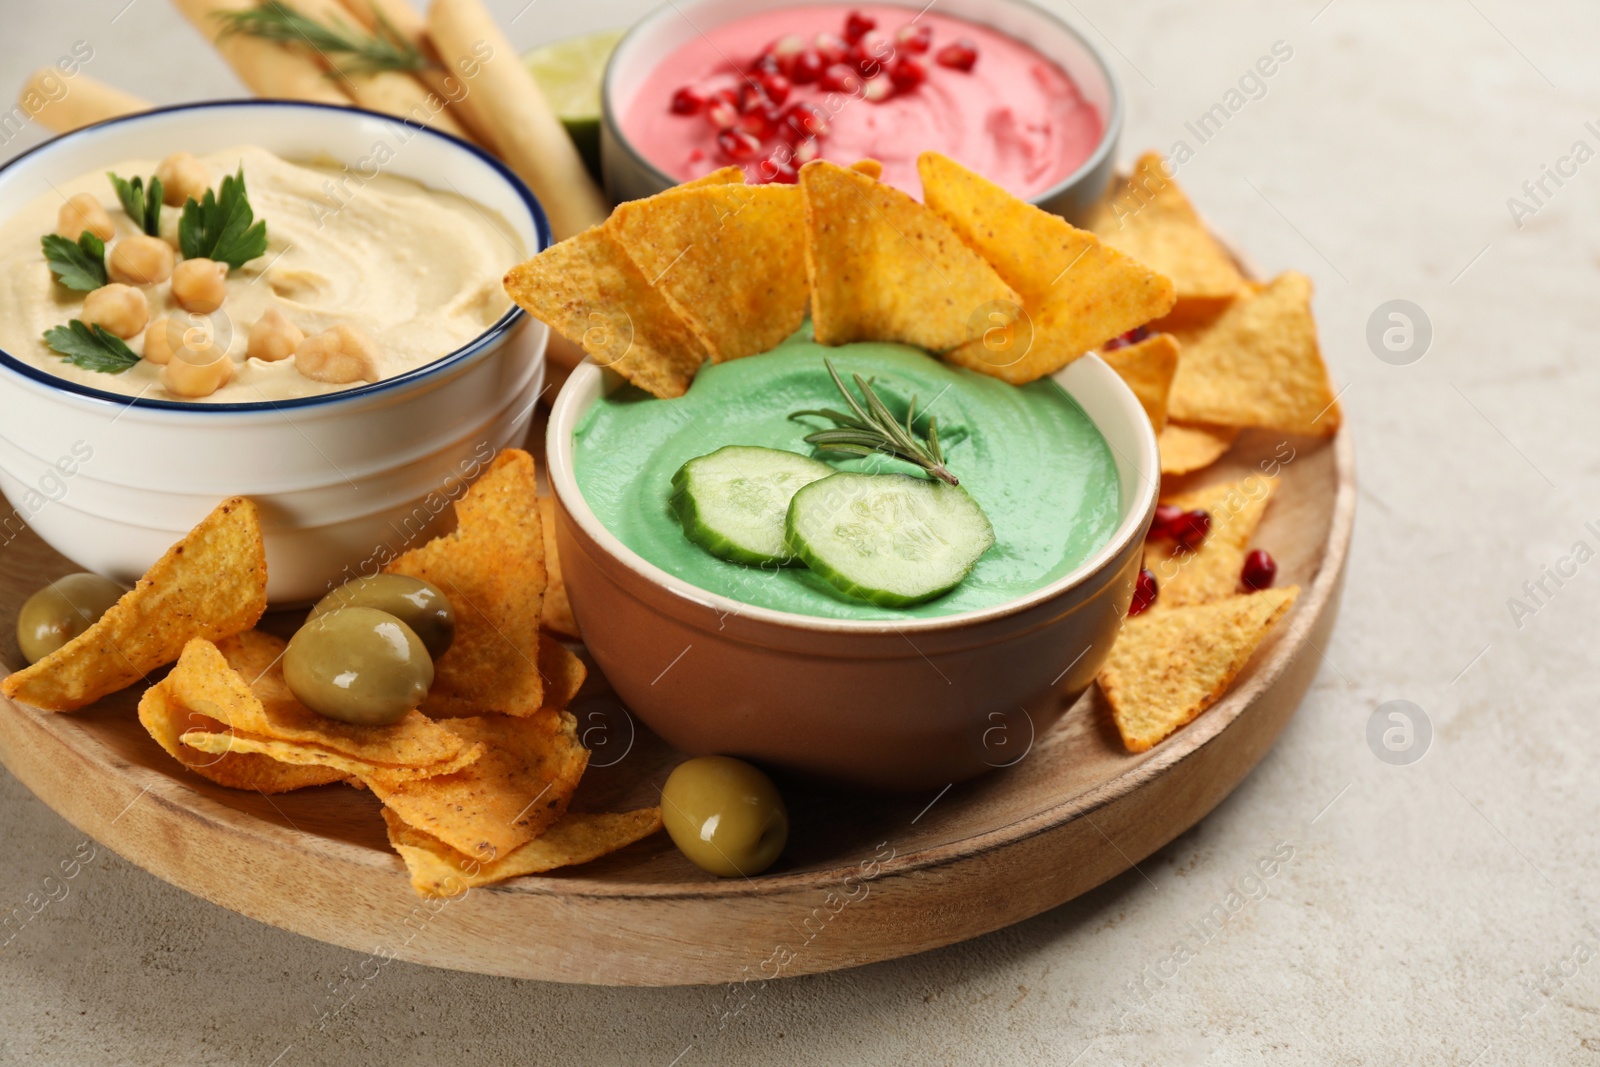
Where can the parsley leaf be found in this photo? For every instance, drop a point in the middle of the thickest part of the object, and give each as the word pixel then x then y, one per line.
pixel 91 347
pixel 223 228
pixel 143 204
pixel 79 265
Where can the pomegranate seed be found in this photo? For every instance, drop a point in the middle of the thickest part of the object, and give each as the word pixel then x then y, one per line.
pixel 959 55
pixel 807 68
pixel 752 98
pixel 1145 592
pixel 805 120
pixel 777 170
pixel 907 74
pixel 1260 571
pixel 806 151
pixel 788 48
pixel 760 123
pixel 1190 529
pixel 1166 515
pixel 914 39
pixel 765 63
pixel 722 114
pixel 776 86
pixel 1132 337
pixel 688 101
pixel 877 90
pixel 738 145
pixel 841 79
pixel 832 49
pixel 856 25
pixel 872 53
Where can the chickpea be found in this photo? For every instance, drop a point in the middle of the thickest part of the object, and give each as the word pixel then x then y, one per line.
pixel 141 260
pixel 341 355
pixel 83 212
pixel 122 309
pixel 182 177
pixel 158 342
pixel 274 337
pixel 168 337
pixel 197 374
pixel 200 285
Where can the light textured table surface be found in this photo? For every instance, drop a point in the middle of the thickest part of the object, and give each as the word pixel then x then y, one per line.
pixel 1442 912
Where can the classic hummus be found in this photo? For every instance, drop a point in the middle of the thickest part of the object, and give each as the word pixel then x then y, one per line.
pixel 1028 455
pixel 414 269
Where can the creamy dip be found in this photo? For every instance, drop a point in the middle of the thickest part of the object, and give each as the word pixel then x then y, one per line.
pixel 1029 456
pixel 418 270
pixel 1016 117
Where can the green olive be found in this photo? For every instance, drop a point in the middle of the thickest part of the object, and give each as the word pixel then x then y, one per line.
pixel 725 815
pixel 418 604
pixel 358 665
pixel 61 611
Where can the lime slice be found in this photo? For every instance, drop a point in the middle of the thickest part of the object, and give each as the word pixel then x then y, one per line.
pixel 569 73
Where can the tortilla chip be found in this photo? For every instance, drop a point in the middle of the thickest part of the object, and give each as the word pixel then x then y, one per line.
pixel 1167 667
pixel 240 684
pixel 556 614
pixel 1260 365
pixel 1186 447
pixel 211 584
pixel 507 797
pixel 561 675
pixel 1148 367
pixel 724 176
pixel 1077 293
pixel 1211 572
pixel 729 259
pixel 885 268
pixel 231 742
pixel 492 569
pixel 1152 220
pixel 870 167
pixel 437 870
pixel 167 720
pixel 563 672
pixel 589 291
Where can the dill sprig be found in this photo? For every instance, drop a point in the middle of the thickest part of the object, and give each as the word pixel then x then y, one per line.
pixel 869 428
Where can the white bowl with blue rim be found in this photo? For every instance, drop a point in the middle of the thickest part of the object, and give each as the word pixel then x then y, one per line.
pixel 344 481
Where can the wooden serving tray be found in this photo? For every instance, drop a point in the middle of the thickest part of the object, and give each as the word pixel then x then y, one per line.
pixel 865 878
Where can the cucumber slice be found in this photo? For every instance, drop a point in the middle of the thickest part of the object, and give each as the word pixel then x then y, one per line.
pixel 892 539
pixel 733 502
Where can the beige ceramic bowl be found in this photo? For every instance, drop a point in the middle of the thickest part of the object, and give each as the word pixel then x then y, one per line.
pixel 912 705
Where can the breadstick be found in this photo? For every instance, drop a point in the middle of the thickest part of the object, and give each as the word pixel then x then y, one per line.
pixel 407 22
pixel 390 91
pixel 269 69
pixel 505 97
pixel 60 103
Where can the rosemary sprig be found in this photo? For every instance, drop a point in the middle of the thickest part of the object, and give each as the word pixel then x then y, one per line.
pixel 358 52
pixel 870 428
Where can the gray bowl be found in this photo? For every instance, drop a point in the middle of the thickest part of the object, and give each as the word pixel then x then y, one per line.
pixel 630 176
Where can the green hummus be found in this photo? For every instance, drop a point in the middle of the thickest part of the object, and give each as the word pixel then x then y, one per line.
pixel 1029 456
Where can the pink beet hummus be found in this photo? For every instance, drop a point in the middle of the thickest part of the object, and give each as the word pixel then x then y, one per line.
pixel 1015 117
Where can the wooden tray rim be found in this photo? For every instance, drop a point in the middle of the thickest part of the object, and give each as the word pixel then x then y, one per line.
pixel 188 802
